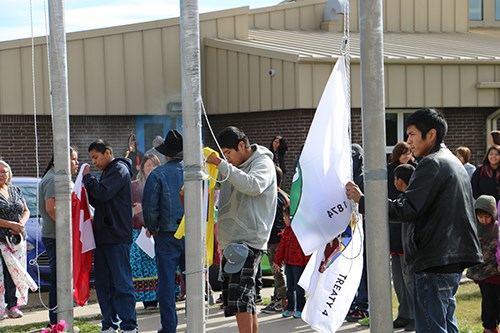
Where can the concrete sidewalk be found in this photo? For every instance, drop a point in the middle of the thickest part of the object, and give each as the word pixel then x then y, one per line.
pixel 149 321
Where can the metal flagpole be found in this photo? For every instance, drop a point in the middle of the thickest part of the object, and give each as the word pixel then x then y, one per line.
pixel 375 176
pixel 193 172
pixel 60 130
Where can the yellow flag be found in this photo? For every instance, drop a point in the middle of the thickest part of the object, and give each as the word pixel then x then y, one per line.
pixel 212 172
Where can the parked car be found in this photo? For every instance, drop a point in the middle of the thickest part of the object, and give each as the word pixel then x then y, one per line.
pixel 37 260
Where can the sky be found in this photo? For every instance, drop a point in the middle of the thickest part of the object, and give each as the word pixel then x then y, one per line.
pixel 15 18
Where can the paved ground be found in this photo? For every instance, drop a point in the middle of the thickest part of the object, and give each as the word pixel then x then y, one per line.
pixel 149 321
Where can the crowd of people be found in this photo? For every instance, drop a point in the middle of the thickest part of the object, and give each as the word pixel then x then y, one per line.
pixel 430 243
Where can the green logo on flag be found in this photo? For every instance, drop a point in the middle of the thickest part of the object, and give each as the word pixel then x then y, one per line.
pixel 296 191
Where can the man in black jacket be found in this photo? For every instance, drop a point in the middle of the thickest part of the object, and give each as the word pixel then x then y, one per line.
pixel 442 235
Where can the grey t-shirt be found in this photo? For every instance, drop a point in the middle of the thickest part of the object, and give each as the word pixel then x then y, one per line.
pixel 46 191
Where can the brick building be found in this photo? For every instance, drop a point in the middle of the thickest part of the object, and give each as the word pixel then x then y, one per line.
pixel 263 70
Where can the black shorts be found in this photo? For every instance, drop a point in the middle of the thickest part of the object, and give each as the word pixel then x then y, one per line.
pixel 238 289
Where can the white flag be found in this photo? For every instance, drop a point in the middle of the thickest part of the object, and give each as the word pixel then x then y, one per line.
pixel 319 206
pixel 331 279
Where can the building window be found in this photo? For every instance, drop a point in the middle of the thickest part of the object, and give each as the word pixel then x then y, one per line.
pixel 497 10
pixel 476 10
pixel 394 128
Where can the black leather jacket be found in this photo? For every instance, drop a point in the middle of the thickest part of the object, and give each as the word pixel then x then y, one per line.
pixel 439 206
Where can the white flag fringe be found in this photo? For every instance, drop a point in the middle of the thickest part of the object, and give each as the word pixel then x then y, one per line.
pixel 331 279
pixel 319 206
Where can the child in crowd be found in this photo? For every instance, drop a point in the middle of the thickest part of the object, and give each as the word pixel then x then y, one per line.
pixel 487 274
pixel 290 253
pixel 402 175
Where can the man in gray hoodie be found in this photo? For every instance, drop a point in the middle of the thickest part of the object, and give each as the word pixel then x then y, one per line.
pixel 247 206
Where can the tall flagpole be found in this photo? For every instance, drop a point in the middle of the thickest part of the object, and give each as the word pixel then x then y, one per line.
pixel 60 130
pixel 375 176
pixel 193 172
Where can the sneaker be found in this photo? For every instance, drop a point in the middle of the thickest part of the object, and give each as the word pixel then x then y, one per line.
pixel 400 322
pixel 269 308
pixel 410 327
pixel 109 330
pixel 364 322
pixel 355 315
pixel 287 313
pixel 219 300
pixel 297 314
pixel 14 312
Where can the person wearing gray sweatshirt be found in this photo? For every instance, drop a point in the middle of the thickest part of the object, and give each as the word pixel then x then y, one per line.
pixel 247 206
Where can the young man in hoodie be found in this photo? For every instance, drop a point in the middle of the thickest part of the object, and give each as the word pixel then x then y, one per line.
pixel 111 198
pixel 247 206
pixel 162 211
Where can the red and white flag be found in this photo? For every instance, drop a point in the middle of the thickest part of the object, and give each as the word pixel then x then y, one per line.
pixel 83 241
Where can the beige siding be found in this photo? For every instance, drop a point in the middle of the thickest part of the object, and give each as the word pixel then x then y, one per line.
pixel 153 69
pixel 277 85
pixel 415 85
pixel 451 80
pixel 254 77
pixel 433 85
pixel 355 86
pixel 233 81
pixel 289 86
pixel 304 87
pixel 264 83
pixel 114 58
pixel 468 81
pixel 211 99
pixel 486 97
pixel 76 78
pixel 243 83
pixel 392 15
pixel 10 81
pixel 95 83
pixel 396 85
pixel 407 16
pixel 300 15
pixel 171 64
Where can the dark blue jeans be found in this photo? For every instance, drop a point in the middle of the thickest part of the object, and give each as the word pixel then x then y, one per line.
pixel 50 249
pixel 170 252
pixel 293 290
pixel 435 302
pixel 114 287
pixel 10 287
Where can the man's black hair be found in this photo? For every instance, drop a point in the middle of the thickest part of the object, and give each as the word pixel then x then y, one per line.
pixel 425 120
pixel 404 172
pixel 100 146
pixel 231 136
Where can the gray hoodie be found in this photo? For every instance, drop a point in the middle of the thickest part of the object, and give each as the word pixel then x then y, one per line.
pixel 247 201
pixel 488 236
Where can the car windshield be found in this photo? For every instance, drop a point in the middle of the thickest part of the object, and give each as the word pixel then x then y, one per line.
pixel 29 194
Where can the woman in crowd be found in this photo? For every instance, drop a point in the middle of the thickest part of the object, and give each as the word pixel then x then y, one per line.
pixel 402 278
pixel 279 147
pixel 14 214
pixel 134 155
pixel 463 154
pixel 144 272
pixel 485 180
pixel 47 208
pixel 494 138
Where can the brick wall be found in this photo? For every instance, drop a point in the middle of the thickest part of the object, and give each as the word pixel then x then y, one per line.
pixel 466 127
pixel 17 134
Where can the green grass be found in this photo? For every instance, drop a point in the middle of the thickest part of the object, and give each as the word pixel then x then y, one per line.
pixel 468 308
pixel 82 324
